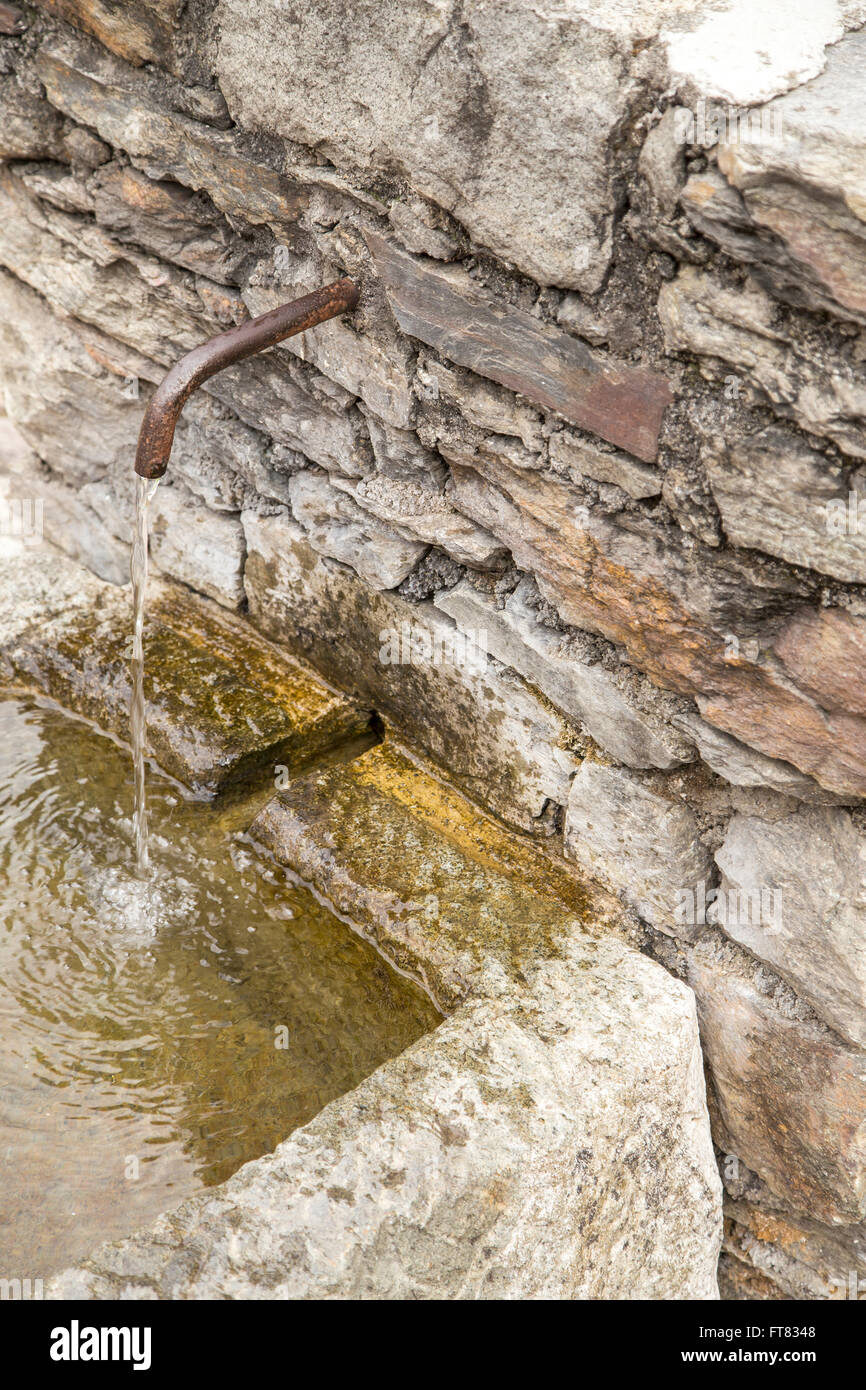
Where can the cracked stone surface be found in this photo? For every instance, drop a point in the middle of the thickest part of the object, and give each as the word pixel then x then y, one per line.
pixel 813 861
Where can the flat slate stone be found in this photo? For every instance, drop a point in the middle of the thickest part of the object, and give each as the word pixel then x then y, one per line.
pixel 221 702
pixel 445 310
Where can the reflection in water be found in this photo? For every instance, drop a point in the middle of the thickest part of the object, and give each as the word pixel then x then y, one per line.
pixel 157 1033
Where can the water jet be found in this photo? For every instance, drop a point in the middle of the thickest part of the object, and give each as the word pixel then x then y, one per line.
pixel 155 440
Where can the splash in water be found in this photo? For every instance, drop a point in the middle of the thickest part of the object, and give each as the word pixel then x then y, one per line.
pixel 145 488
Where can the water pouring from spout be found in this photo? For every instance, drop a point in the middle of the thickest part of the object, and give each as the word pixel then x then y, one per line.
pixel 144 490
pixel 151 460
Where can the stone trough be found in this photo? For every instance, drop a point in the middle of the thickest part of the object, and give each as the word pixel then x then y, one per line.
pixel 549 1139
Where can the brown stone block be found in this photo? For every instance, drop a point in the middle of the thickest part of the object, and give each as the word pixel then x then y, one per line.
pixel 445 310
pixel 140 32
pixel 193 154
pixel 791 1095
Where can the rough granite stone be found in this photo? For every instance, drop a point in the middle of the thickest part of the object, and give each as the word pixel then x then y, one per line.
pixel 167 219
pixel 66 519
pixel 814 861
pixel 200 547
pixel 141 32
pixel 801 1257
pixel 744 767
pixel 84 272
pixel 29 128
pixel 482 108
pixel 440 1178
pixel 643 844
pixel 482 403
pixel 742 55
pixel 379 87
pixel 579 458
pixel 71 410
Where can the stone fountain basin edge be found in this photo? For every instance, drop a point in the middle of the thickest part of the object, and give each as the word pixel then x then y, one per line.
pixel 549 1139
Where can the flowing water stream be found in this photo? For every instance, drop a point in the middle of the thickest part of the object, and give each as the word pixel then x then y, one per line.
pixel 144 490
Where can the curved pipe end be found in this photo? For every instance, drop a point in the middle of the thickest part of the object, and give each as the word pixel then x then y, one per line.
pixel 156 435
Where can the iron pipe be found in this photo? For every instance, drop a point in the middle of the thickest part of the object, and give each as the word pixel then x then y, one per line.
pixel 160 419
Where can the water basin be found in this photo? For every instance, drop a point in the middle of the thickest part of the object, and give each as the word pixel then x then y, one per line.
pixel 156 1034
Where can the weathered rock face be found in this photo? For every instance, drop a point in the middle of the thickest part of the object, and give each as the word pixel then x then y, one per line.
pixel 573 500
pixel 805 188
pixel 777 495
pixel 145 35
pixel 438 98
pixel 604 702
pixel 797 1258
pixel 387 1191
pixel 740 327
pixel 676 609
pixel 220 702
pixel 791 1097
pixel 551 368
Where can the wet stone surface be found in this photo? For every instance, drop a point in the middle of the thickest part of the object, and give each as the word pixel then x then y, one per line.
pixel 548 1140
pixel 223 706
pixel 436 883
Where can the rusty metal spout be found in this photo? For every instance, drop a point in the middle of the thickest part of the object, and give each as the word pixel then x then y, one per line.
pixel 157 428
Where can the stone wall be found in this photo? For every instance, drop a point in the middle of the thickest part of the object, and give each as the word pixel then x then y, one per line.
pixel 603 401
